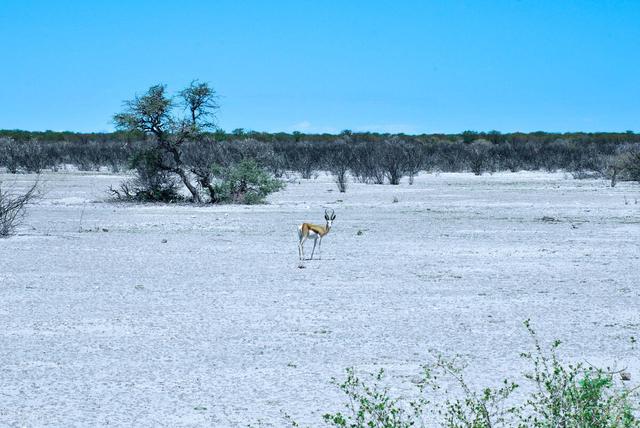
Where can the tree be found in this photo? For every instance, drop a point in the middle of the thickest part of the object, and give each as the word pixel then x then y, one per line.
pixel 153 114
pixel 202 102
pixel 469 136
pixel 494 136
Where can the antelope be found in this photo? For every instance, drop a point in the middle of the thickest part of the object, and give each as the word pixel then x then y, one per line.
pixel 315 232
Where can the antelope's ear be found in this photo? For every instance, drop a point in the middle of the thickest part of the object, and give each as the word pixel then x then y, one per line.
pixel 333 217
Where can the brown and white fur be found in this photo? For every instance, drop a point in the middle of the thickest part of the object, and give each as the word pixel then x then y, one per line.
pixel 315 232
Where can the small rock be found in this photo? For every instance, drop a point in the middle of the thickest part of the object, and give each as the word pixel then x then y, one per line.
pixel 395 199
pixel 105 230
pixel 417 380
pixel 139 287
pixel 625 376
pixel 164 241
pixel 359 233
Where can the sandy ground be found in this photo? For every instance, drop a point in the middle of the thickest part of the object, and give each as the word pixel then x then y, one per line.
pixel 103 323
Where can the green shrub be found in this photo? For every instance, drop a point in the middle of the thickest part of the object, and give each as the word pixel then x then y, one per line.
pixel 371 405
pixel 574 395
pixel 244 183
pixel 151 183
pixel 564 395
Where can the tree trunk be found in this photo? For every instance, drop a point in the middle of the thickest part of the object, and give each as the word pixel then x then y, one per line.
pixel 185 179
pixel 178 169
pixel 614 176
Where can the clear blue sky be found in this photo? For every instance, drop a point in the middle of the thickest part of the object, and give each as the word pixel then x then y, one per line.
pixel 324 66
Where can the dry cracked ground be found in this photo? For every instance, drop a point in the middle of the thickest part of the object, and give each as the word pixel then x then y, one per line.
pixel 178 315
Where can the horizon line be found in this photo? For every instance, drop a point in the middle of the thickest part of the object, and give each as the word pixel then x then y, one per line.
pixel 246 131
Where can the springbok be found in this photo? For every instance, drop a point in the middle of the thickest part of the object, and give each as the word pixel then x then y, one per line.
pixel 315 232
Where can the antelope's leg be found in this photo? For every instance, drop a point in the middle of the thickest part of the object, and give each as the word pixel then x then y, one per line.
pixel 301 248
pixel 315 241
pixel 320 249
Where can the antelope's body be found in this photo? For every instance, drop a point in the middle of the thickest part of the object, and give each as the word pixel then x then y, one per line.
pixel 315 232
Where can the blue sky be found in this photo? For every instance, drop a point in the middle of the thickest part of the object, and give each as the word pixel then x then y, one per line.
pixel 325 66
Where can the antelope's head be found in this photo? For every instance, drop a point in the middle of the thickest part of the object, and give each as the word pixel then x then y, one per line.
pixel 329 215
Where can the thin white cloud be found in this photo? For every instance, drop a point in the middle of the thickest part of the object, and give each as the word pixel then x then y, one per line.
pixel 388 128
pixel 309 128
pixel 303 126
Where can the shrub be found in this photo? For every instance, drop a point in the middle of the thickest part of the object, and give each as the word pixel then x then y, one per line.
pixel 244 183
pixel 479 156
pixel 304 158
pixel 338 162
pixel 632 165
pixel 394 160
pixel 32 157
pixel 365 162
pixel 372 405
pixel 151 183
pixel 9 155
pixel 26 155
pixel 13 208
pixel 563 395
pixel 573 395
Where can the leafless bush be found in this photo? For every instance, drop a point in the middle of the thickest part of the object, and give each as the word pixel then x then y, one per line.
pixel 303 157
pixel 27 156
pixel 580 153
pixel 394 160
pixel 339 160
pixel 632 165
pixel 10 154
pixel 13 208
pixel 366 165
pixel 480 156
pixel 416 159
pixel 32 157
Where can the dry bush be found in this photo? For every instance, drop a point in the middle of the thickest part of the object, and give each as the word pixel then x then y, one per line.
pixel 13 208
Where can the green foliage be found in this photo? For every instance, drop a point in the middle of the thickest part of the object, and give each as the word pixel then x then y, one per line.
pixel 151 183
pixel 244 183
pixel 464 407
pixel 148 113
pixel 574 395
pixel 371 405
pixel 563 395
pixel 202 102
pixel 153 114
